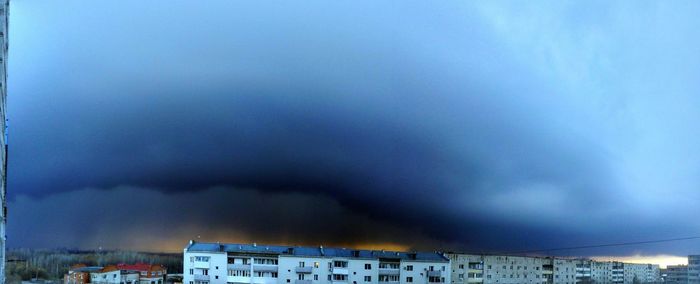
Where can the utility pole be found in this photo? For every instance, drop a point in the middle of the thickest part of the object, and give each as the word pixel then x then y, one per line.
pixel 4 23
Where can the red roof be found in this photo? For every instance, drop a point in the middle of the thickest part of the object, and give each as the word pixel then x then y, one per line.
pixel 135 267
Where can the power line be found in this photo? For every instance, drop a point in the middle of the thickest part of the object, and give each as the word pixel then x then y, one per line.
pixel 605 245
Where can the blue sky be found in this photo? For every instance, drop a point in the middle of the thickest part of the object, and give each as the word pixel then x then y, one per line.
pixel 481 126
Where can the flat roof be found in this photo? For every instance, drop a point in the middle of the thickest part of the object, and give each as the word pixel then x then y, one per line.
pixel 315 251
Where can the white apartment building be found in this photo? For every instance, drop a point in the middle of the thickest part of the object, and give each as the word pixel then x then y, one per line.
pixel 676 274
pixel 640 273
pixel 584 270
pixel 470 268
pixel 694 269
pixel 215 263
pixel 487 269
pixel 601 271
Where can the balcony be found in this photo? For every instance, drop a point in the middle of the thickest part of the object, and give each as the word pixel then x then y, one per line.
pixel 305 269
pixel 237 266
pixel 265 268
pixel 200 277
pixel 388 271
pixel 201 264
pixel 434 273
pixel 340 270
pixel 302 281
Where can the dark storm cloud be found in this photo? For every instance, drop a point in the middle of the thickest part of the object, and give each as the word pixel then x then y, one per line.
pixel 420 116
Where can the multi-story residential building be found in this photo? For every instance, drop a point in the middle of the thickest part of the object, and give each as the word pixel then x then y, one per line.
pixel 676 274
pixel 583 270
pixel 4 16
pixel 473 268
pixel 215 263
pixel 601 271
pixel 564 271
pixel 467 268
pixel 640 273
pixel 618 272
pixel 470 268
pixel 694 269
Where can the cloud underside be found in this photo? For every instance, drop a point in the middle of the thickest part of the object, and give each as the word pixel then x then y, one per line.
pixel 450 126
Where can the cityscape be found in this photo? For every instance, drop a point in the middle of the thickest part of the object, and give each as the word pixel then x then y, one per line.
pixel 349 142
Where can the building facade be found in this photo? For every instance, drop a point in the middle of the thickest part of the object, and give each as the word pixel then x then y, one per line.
pixel 694 269
pixel 676 274
pixel 472 268
pixel 116 274
pixel 214 263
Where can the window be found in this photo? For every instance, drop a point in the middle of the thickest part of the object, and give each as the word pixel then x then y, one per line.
pixel 461 266
pixel 316 277
pixel 241 273
pixel 368 278
pixel 301 264
pixel 409 267
pixel 388 278
pixel 368 266
pixel 409 279
pixel 316 264
pixel 340 277
pixel 340 264
pixel 300 276
pixel 388 265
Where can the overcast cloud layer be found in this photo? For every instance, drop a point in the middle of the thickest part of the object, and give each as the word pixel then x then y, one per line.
pixel 461 126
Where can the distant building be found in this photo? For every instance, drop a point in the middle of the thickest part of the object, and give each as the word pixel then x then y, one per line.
pixel 80 274
pixel 640 273
pixel 213 263
pixel 694 269
pixel 676 274
pixel 472 268
pixel 116 274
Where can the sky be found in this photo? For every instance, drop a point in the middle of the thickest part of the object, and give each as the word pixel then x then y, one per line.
pixel 481 126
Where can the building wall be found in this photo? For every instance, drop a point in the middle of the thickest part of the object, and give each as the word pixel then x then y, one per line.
pixel 466 268
pixel 108 277
pixel 197 270
pixel 238 267
pixel 516 269
pixel 676 274
pixel 601 272
pixel 694 269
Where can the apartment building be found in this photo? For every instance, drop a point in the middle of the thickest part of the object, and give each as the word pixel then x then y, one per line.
pixel 694 269
pixel 469 268
pixel 473 268
pixel 583 270
pixel 601 271
pixel 640 273
pixel 676 274
pixel 215 263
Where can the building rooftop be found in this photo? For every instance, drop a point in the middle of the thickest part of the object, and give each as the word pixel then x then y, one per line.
pixel 315 251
